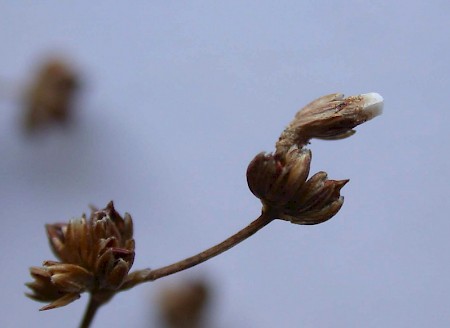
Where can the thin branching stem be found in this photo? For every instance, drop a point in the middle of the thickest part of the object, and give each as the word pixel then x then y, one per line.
pixel 150 275
pixel 189 262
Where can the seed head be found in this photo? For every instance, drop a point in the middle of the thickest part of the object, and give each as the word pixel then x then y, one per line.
pixel 95 255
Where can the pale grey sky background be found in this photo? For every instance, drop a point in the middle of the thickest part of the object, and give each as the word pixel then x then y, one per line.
pixel 178 97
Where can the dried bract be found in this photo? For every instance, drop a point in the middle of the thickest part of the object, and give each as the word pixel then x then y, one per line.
pixel 95 255
pixel 279 181
pixel 330 117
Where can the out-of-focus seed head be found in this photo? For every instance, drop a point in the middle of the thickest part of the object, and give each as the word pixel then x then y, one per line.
pixel 183 305
pixel 51 95
pixel 279 181
pixel 330 117
pixel 96 255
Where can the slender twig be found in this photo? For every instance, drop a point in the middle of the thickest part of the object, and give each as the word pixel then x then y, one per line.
pixel 189 262
pixel 91 310
pixel 150 275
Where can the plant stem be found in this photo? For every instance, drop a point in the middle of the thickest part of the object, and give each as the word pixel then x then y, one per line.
pixel 189 262
pixel 90 312
pixel 150 275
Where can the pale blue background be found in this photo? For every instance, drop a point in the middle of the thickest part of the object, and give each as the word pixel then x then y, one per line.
pixel 179 96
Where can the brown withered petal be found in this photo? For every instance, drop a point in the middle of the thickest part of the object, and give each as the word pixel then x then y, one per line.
pixel 77 240
pixel 117 274
pixel 127 229
pixel 327 192
pixel 295 169
pixel 316 217
pixel 69 278
pixel 259 171
pixel 62 301
pixel 43 289
pixel 95 254
pixel 276 179
pixel 55 233
pixel 299 170
pixel 308 194
pixel 319 202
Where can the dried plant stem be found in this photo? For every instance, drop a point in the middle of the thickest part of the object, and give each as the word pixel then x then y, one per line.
pixel 150 275
pixel 189 262
pixel 90 312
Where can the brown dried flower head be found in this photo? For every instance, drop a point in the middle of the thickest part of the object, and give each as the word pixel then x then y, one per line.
pixel 50 97
pixel 330 117
pixel 279 181
pixel 95 255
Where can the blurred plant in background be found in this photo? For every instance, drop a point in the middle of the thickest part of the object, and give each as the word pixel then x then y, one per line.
pixel 184 304
pixel 49 99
